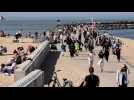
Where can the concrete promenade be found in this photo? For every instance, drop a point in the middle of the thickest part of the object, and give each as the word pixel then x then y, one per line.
pixel 75 69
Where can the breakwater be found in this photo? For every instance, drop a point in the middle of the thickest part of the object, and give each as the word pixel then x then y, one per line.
pixel 115 25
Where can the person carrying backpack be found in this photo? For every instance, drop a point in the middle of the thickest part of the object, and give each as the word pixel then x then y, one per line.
pixel 122 76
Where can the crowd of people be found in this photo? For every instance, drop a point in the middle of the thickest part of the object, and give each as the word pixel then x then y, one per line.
pixel 78 37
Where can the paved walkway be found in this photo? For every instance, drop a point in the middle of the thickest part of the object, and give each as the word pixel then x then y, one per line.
pixel 76 69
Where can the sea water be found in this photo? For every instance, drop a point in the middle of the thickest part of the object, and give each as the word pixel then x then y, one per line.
pixel 32 26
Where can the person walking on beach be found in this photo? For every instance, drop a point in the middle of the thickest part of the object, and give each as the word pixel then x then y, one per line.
pixel 35 36
pixel 119 43
pixel 101 61
pixel 106 53
pixel 18 35
pixel 71 48
pixel 91 80
pixel 63 48
pixel 90 44
pixel 118 53
pixel 80 45
pixel 90 58
pixel 77 48
pixel 122 76
pixel 44 34
pixel 114 47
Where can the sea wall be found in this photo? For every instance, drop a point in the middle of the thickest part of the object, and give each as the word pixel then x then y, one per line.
pixel 33 79
pixel 37 57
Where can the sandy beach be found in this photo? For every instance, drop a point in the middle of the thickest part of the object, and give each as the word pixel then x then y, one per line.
pixel 7 42
pixel 128 50
pixel 127 53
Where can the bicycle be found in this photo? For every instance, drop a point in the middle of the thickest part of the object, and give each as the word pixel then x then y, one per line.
pixel 55 82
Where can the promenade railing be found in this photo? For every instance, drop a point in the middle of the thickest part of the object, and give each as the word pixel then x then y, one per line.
pixel 33 79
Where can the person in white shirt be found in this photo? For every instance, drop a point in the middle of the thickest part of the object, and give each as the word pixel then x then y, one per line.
pixel 90 58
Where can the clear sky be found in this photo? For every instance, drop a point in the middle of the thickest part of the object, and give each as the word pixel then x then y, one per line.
pixel 62 15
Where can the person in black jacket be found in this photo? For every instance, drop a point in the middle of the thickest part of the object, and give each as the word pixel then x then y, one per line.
pixel 106 53
pixel 91 80
pixel 71 49
pixel 101 61
pixel 118 53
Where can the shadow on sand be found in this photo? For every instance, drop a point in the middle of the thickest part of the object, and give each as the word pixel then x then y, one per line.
pixel 110 71
pixel 49 65
pixel 7 54
pixel 26 42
